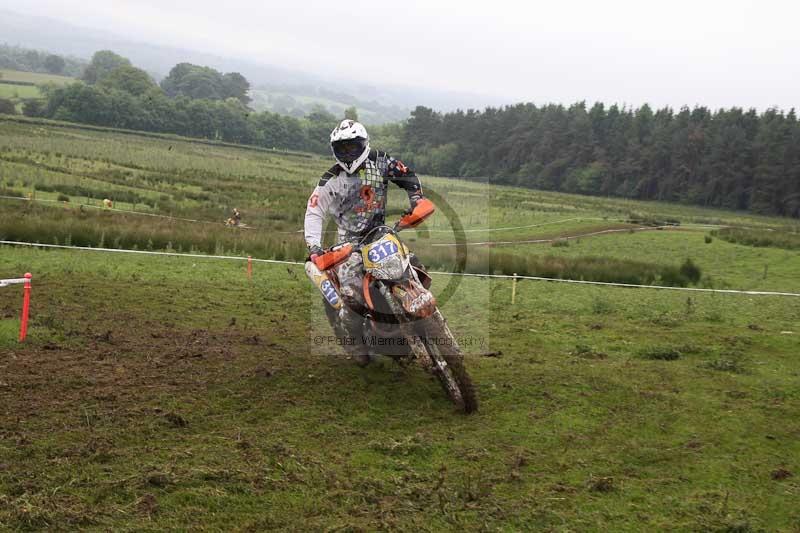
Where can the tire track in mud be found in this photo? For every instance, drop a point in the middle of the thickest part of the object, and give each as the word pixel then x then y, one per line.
pixel 118 367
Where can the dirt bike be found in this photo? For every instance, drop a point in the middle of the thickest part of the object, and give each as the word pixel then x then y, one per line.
pixel 398 301
pixel 233 223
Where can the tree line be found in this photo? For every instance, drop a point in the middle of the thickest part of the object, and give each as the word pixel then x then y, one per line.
pixel 729 158
pixel 193 100
pixel 25 59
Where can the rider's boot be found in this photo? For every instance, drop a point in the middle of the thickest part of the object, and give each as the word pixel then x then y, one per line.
pixel 347 325
pixel 352 325
pixel 361 358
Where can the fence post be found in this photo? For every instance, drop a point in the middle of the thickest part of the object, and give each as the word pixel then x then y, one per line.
pixel 26 304
pixel 250 267
pixel 514 289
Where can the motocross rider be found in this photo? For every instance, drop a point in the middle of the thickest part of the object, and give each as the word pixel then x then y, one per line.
pixel 353 191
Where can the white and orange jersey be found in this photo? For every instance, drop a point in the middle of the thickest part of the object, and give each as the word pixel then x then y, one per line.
pixel 357 201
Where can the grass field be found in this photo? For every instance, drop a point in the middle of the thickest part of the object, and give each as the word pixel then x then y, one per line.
pixel 214 409
pixel 172 393
pixel 18 92
pixel 33 77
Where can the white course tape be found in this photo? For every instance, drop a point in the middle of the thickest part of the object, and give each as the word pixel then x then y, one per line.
pixel 146 252
pixel 15 281
pixel 613 284
pixel 465 274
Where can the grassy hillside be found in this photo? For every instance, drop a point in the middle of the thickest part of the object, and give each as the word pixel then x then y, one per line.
pixel 173 393
pixel 505 229
pixel 17 93
pixel 33 77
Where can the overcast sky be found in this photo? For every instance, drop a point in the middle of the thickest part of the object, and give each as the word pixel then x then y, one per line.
pixel 709 52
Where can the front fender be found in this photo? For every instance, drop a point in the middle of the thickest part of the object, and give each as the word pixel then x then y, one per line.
pixel 413 298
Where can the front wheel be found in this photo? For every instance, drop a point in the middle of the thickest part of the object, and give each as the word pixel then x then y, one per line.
pixel 438 352
pixel 448 361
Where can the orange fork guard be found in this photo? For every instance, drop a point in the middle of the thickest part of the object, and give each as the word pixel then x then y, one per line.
pixel 330 259
pixel 423 210
pixel 367 296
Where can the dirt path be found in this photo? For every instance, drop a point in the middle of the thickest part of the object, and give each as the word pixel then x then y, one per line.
pixel 617 228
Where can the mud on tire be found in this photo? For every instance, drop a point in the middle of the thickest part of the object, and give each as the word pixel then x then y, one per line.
pixel 434 327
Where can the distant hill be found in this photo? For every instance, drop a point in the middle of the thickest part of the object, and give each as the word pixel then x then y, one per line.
pixel 377 102
pixel 17 58
pixel 299 100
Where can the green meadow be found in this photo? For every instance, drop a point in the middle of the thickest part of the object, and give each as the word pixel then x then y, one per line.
pixel 33 77
pixel 32 80
pixel 479 228
pixel 160 393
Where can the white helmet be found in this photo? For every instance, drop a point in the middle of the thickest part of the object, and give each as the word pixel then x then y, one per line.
pixel 350 145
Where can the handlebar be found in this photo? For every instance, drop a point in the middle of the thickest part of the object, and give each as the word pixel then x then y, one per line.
pixel 339 253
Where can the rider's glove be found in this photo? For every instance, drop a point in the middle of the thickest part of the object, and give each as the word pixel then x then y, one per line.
pixel 413 199
pixel 397 169
pixel 314 252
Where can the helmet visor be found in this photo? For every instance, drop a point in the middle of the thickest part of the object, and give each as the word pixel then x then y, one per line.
pixel 348 150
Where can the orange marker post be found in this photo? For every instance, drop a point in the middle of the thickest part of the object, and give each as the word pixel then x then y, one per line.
pixel 26 304
pixel 249 267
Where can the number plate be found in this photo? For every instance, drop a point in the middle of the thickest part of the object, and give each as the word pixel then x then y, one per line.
pixel 379 251
pixel 329 291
